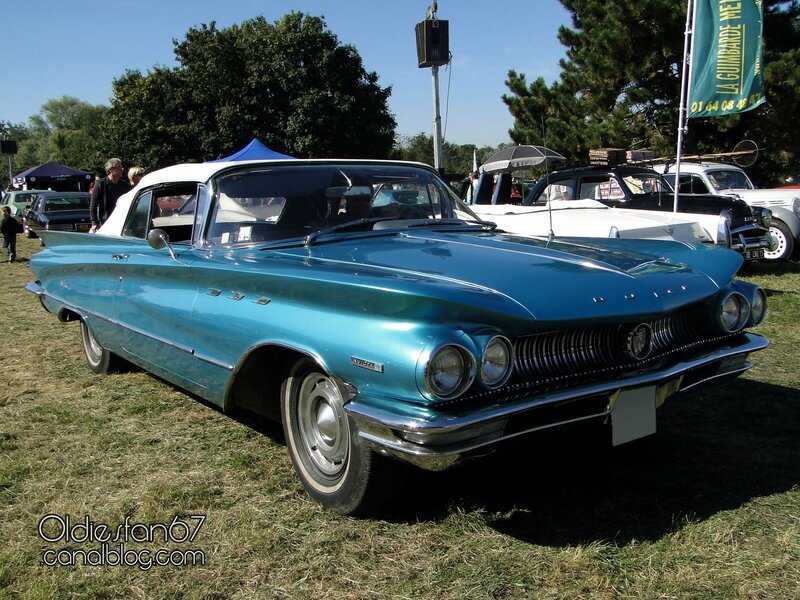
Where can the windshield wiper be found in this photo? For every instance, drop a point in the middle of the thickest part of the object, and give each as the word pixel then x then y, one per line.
pixel 491 225
pixel 312 237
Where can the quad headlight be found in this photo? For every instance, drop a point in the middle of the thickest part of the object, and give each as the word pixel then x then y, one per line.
pixel 450 371
pixel 758 307
pixel 733 312
pixel 496 362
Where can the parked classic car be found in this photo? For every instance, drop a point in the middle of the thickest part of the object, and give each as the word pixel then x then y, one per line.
pixel 643 188
pixel 701 177
pixel 19 200
pixel 57 211
pixel 366 308
pixel 589 218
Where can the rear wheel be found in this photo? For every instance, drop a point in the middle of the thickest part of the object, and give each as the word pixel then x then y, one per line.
pixel 335 467
pixel 99 359
pixel 783 235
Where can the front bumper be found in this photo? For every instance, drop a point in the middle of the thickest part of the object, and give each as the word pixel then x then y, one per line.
pixel 752 243
pixel 436 440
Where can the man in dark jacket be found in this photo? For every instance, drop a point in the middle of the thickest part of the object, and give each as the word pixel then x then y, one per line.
pixel 106 191
pixel 9 227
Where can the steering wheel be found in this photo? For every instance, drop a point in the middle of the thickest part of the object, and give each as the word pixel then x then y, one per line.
pixel 412 212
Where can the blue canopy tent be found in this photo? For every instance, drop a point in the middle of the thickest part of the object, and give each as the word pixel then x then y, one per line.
pixel 255 150
pixel 54 176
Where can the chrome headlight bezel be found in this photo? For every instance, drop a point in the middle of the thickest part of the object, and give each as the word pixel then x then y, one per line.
pixel 766 217
pixel 758 307
pixel 490 374
pixel 462 371
pixel 732 312
pixel 756 297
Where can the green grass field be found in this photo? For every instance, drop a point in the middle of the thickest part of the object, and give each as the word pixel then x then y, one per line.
pixel 707 508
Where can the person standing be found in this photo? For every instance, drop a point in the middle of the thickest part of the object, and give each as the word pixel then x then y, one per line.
pixel 135 175
pixel 473 177
pixel 105 193
pixel 9 227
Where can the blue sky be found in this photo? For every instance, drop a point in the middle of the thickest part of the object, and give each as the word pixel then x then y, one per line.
pixel 53 48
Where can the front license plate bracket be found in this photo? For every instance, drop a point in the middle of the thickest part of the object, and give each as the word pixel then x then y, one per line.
pixel 633 414
pixel 755 254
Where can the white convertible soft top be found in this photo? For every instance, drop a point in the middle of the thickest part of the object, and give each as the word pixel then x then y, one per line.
pixel 200 173
pixel 186 172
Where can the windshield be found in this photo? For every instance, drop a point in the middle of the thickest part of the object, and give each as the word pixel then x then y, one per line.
pixel 646 183
pixel 65 203
pixel 725 179
pixel 265 203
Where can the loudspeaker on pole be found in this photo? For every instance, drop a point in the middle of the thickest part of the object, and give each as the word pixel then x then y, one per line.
pixel 433 43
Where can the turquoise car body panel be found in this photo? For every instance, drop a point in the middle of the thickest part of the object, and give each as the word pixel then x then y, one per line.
pixel 398 292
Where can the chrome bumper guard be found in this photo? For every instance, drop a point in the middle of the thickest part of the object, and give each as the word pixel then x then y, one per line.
pixel 439 442
pixel 749 246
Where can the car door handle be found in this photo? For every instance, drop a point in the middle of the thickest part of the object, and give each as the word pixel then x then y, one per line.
pixel 119 257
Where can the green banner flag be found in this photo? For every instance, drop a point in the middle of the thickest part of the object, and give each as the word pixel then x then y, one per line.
pixel 725 59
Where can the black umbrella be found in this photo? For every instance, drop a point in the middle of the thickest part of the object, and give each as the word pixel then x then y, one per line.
pixel 518 157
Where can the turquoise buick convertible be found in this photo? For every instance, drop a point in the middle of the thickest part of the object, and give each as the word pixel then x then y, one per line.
pixel 366 308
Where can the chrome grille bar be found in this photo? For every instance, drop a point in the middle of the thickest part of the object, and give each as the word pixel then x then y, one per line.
pixel 580 350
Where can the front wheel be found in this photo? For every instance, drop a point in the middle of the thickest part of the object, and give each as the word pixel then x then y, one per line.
pixel 335 467
pixel 99 359
pixel 783 235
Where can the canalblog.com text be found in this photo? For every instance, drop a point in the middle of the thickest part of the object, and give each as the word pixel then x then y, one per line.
pixel 120 545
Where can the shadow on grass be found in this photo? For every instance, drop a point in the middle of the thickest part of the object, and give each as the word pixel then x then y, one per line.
pixel 769 268
pixel 714 451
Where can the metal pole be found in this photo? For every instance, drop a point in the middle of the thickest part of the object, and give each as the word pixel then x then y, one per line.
pixel 10 176
pixel 437 122
pixel 687 36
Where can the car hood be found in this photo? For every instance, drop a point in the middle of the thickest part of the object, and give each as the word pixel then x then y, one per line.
pixel 579 278
pixel 701 203
pixel 763 196
pixel 589 218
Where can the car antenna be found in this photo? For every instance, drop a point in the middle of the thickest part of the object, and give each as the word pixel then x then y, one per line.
pixel 551 235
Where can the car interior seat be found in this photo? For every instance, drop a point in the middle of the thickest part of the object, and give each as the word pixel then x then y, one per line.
pixel 483 192
pixel 502 191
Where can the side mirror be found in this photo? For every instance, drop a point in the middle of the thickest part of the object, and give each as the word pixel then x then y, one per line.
pixel 158 239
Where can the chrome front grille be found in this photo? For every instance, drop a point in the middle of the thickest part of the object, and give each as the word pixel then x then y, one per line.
pixel 574 356
pixel 576 353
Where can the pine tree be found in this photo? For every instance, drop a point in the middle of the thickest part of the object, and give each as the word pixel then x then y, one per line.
pixel 620 87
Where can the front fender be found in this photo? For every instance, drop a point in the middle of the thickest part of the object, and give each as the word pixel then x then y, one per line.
pixel 788 217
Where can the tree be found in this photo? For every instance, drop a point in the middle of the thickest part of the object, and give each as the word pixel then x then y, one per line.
pixel 17 132
pixel 291 84
pixel 63 130
pixel 620 86
pixel 456 158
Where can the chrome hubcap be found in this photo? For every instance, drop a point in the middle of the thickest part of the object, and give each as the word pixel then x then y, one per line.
pixel 781 239
pixel 93 349
pixel 322 424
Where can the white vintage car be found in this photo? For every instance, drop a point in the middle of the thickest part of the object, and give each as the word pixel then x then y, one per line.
pixel 721 178
pixel 590 218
